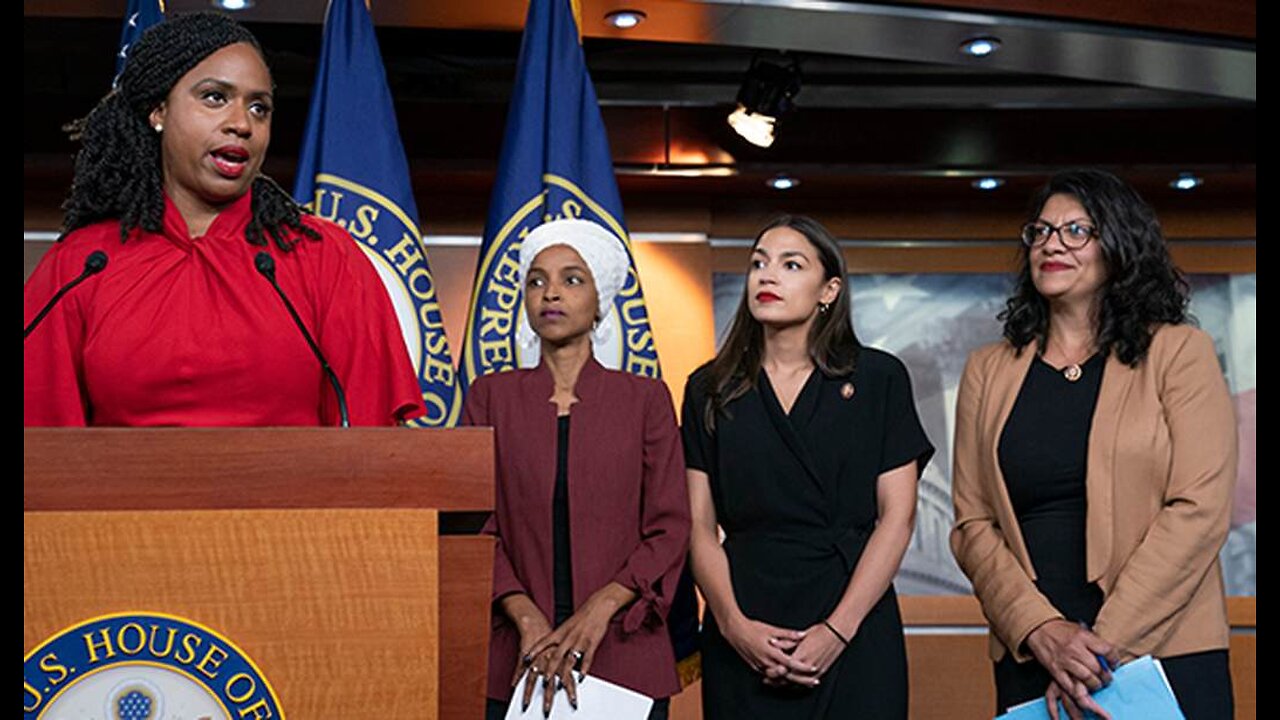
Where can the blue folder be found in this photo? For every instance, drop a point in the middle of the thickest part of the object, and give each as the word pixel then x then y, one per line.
pixel 1138 691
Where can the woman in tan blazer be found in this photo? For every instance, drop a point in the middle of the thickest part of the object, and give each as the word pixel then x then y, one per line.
pixel 1095 460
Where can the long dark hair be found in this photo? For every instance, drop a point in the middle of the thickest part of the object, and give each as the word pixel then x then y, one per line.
pixel 833 346
pixel 1143 287
pixel 118 173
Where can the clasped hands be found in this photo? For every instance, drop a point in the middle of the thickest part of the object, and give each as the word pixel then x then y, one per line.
pixel 783 656
pixel 1073 656
pixel 551 657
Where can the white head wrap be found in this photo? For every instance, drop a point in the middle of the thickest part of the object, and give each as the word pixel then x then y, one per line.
pixel 605 257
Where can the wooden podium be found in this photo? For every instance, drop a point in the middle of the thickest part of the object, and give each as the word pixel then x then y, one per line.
pixel 319 552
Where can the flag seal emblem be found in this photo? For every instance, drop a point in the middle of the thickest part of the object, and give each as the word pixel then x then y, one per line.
pixel 491 340
pixel 393 244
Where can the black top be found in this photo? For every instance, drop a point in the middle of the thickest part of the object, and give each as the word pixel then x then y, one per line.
pixel 796 496
pixel 1043 453
pixel 563 568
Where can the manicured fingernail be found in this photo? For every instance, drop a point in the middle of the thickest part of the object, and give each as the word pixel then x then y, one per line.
pixel 524 707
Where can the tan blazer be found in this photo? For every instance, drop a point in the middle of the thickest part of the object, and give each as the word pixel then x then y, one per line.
pixel 1161 470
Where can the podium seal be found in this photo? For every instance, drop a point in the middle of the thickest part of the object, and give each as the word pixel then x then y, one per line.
pixel 144 666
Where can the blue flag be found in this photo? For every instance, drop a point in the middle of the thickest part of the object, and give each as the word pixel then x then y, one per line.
pixel 140 15
pixel 555 164
pixel 353 171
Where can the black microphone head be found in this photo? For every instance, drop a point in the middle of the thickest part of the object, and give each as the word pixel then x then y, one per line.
pixel 265 263
pixel 96 262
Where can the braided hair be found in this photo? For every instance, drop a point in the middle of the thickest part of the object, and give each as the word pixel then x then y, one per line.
pixel 118 168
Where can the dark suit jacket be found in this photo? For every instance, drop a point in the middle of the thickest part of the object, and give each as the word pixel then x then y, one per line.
pixel 1161 470
pixel 628 506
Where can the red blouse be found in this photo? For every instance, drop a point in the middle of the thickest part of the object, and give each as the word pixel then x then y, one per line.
pixel 628 512
pixel 184 331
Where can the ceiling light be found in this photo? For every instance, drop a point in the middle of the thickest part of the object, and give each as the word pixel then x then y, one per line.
pixel 766 95
pixel 782 181
pixel 1186 181
pixel 987 183
pixel 625 19
pixel 755 128
pixel 980 46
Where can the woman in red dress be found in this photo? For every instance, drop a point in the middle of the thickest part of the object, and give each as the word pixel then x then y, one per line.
pixel 180 328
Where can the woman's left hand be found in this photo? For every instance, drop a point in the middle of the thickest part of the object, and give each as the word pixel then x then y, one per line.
pixel 816 653
pixel 574 643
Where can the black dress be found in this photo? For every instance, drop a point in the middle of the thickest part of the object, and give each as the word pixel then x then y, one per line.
pixel 796 497
pixel 1042 451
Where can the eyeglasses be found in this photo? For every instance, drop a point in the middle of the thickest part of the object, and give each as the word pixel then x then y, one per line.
pixel 1074 235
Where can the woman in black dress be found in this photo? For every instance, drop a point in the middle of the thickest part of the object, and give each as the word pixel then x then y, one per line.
pixel 805 448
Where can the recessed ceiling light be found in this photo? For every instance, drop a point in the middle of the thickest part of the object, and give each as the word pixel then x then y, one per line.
pixel 233 5
pixel 980 46
pixel 1186 181
pixel 625 19
pixel 782 181
pixel 987 183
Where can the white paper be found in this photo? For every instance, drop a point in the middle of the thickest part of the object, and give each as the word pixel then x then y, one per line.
pixel 597 700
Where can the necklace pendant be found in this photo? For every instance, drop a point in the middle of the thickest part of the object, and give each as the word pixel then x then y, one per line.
pixel 1072 372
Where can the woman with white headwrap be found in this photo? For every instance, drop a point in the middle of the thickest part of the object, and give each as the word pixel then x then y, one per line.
pixel 592 513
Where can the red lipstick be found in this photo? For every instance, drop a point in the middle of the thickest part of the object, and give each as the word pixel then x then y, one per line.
pixel 230 160
pixel 1054 266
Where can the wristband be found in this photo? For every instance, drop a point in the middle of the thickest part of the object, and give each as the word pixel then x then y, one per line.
pixel 836 632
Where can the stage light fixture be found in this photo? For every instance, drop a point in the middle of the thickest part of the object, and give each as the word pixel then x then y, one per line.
pixel 767 94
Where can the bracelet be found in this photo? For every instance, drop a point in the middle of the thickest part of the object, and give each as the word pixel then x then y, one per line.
pixel 836 632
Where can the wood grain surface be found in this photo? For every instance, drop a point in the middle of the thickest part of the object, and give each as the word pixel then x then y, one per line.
pixel 336 607
pixel 466 585
pixel 145 469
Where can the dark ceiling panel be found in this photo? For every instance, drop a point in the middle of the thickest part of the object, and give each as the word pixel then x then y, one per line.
pixel 864 125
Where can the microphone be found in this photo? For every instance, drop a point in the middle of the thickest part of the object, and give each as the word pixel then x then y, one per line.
pixel 266 266
pixel 94 264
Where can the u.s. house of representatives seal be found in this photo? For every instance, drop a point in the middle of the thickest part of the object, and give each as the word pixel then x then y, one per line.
pixel 144 666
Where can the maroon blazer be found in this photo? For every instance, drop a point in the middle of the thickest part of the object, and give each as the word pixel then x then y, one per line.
pixel 628 512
